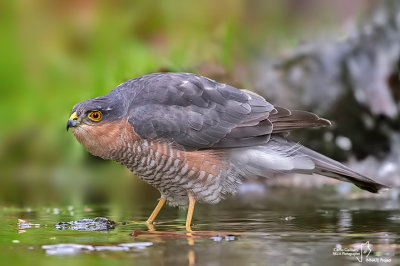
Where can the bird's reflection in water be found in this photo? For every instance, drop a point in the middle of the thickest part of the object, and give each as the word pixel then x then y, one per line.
pixel 191 253
pixel 216 236
pixel 192 257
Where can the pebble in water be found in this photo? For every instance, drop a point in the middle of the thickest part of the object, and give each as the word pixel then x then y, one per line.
pixel 96 224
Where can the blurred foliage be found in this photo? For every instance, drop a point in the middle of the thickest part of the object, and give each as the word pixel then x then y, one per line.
pixel 57 53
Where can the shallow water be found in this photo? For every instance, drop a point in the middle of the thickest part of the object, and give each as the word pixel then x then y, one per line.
pixel 282 228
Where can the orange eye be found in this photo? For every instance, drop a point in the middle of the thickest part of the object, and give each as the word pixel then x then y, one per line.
pixel 95 116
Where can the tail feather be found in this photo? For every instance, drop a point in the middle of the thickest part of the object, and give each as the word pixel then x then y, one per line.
pixel 281 156
pixel 331 168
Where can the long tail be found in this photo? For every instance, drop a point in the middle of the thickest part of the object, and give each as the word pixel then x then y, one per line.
pixel 331 168
pixel 282 156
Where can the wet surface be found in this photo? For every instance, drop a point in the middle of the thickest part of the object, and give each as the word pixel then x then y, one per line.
pixel 278 229
pixel 96 224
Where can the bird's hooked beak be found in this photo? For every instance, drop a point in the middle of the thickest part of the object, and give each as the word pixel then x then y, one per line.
pixel 73 121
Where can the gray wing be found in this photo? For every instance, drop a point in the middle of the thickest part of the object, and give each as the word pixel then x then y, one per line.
pixel 195 112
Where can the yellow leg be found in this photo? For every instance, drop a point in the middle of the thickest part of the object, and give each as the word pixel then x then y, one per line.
pixel 154 214
pixel 189 217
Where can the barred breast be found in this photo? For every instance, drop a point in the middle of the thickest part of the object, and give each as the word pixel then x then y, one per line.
pixel 206 175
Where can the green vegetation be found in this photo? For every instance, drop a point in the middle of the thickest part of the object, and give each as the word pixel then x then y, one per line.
pixel 58 53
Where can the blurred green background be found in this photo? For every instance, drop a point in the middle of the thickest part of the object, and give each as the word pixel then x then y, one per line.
pixel 55 54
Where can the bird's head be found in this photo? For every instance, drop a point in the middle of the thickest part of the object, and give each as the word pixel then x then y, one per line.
pixel 97 123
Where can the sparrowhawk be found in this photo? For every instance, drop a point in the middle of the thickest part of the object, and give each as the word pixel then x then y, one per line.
pixel 195 139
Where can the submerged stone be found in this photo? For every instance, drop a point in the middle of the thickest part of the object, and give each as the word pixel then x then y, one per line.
pixel 95 224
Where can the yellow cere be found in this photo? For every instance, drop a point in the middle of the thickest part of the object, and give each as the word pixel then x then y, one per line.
pixel 74 116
